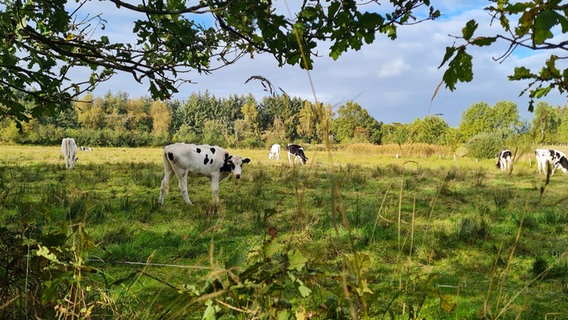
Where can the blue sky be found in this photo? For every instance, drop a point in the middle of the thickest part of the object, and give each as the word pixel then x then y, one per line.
pixel 393 80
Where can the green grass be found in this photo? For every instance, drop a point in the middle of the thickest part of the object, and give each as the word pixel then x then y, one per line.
pixel 413 235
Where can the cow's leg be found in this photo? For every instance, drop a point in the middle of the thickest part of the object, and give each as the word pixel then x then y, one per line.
pixel 182 184
pixel 215 188
pixel 289 160
pixel 165 185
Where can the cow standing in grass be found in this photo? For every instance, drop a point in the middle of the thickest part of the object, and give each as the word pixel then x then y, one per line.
pixel 296 151
pixel 198 161
pixel 504 160
pixel 274 152
pixel 69 150
pixel 551 157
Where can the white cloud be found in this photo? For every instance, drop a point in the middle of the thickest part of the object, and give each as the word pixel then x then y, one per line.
pixel 393 68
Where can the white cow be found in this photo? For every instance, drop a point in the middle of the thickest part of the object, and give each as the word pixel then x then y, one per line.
pixel 551 157
pixel 198 161
pixel 274 152
pixel 504 160
pixel 69 150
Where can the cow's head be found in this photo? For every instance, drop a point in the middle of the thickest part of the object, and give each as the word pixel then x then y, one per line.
pixel 234 164
pixel 563 163
pixel 302 156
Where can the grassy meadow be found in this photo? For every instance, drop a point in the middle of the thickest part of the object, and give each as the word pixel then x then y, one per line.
pixel 357 233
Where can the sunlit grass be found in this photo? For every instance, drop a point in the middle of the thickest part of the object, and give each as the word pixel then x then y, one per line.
pixel 416 216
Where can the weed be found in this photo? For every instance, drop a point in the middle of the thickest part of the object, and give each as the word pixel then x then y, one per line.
pixel 502 197
pixel 479 176
pixel 77 209
pixel 351 176
pixel 145 175
pixel 54 195
pixel 472 230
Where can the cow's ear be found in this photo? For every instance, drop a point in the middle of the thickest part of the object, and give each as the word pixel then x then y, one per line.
pixel 246 160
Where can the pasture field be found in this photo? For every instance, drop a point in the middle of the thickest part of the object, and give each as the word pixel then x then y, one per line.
pixel 355 234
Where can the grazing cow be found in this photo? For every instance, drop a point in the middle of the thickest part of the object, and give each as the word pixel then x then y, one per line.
pixel 296 151
pixel 198 161
pixel 69 150
pixel 504 160
pixel 274 152
pixel 551 157
pixel 86 148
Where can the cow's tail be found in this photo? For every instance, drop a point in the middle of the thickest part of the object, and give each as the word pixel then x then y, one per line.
pixel 168 157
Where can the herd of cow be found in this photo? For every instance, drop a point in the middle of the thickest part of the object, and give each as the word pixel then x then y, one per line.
pixel 183 160
pixel 544 158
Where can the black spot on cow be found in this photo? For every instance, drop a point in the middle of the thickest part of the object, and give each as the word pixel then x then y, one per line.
pixel 206 160
pixel 198 150
pixel 171 156
pixel 211 161
pixel 212 150
pixel 228 165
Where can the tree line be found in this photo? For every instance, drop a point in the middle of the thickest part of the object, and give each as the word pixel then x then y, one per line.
pixel 235 121
pixel 241 121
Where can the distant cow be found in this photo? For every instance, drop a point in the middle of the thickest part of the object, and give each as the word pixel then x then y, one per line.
pixel 198 161
pixel 504 160
pixel 296 151
pixel 551 157
pixel 86 148
pixel 274 152
pixel 69 150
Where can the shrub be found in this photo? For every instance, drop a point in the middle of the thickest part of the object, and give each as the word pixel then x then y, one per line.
pixel 484 145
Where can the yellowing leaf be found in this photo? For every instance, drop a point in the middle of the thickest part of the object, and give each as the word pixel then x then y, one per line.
pixel 296 260
pixel 446 304
pixel 44 252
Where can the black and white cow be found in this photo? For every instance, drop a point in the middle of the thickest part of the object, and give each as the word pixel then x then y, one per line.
pixel 296 151
pixel 69 150
pixel 551 157
pixel 504 160
pixel 198 161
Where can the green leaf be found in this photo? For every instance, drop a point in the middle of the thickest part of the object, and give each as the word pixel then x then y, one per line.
pixel 541 92
pixel 272 248
pixel 363 288
pixel 469 29
pixel 304 291
pixel 284 315
pixel 483 41
pixel 237 260
pixel 449 53
pixel 517 7
pixel 459 69
pixel 211 310
pixel 521 73
pixel 542 25
pixel 296 260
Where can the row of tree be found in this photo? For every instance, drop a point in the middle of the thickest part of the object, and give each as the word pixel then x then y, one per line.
pixel 117 120
pixel 241 121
